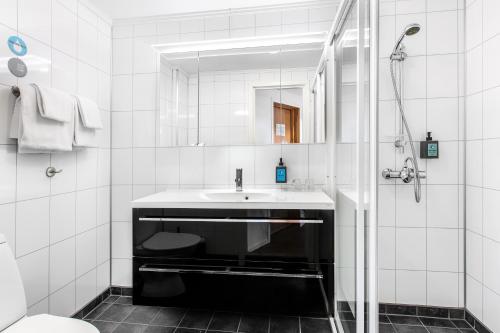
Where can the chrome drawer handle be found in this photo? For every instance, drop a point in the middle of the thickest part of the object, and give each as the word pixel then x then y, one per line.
pixel 236 220
pixel 230 272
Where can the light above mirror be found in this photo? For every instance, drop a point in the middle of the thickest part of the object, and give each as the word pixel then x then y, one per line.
pixel 242 43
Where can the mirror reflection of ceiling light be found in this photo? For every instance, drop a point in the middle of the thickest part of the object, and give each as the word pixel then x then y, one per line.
pixel 241 43
pixel 190 55
pixel 241 112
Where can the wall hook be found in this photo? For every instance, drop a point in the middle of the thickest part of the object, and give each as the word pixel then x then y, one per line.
pixel 51 171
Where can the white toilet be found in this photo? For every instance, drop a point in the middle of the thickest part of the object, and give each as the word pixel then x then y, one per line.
pixel 13 317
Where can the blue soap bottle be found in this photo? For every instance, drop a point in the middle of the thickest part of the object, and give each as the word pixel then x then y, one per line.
pixel 281 172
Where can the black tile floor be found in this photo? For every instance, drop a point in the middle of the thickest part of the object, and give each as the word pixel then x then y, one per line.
pixel 415 324
pixel 117 315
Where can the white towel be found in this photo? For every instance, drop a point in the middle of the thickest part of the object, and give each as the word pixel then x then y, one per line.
pixel 83 136
pixel 36 133
pixel 54 104
pixel 89 112
pixel 15 120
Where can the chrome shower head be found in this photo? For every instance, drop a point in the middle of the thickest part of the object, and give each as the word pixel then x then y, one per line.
pixel 409 30
pixel 412 29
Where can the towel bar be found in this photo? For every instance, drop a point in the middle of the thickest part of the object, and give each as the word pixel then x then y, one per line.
pixel 15 91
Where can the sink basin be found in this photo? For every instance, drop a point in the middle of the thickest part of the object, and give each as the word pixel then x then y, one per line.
pixel 230 199
pixel 236 196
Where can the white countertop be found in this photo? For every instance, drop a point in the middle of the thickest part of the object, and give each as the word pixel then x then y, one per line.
pixel 230 199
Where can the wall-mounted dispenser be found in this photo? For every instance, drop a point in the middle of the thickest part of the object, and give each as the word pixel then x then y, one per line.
pixel 281 172
pixel 429 148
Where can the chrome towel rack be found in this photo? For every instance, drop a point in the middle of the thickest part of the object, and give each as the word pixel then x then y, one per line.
pixel 15 91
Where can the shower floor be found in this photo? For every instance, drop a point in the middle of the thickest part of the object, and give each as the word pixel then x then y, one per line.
pixel 415 324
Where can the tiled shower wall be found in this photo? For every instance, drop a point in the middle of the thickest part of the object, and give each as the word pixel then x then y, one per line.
pixel 421 245
pixel 58 228
pixel 482 160
pixel 140 167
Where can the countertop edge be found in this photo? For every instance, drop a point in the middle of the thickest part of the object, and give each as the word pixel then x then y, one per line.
pixel 233 205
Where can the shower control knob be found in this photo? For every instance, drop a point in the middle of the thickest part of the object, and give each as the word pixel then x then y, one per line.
pixel 406 175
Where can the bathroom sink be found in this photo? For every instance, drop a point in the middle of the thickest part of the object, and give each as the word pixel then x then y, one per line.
pixel 237 196
pixel 232 199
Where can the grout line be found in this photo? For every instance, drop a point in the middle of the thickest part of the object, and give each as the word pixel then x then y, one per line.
pixel 180 321
pixel 76 167
pixel 210 321
pixel 239 322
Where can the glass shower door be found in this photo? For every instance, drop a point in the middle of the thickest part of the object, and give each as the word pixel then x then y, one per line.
pixel 354 192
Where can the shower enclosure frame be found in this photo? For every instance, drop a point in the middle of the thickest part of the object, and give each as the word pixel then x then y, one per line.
pixel 366 282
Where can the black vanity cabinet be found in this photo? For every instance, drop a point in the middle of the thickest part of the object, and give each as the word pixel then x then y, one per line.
pixel 258 260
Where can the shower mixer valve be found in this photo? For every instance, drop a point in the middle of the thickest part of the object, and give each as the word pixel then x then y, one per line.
pixel 407 174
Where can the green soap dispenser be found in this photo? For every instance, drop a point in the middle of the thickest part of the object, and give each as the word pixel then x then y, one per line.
pixel 429 148
pixel 281 172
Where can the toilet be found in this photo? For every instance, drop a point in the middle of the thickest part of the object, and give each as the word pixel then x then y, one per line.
pixel 13 318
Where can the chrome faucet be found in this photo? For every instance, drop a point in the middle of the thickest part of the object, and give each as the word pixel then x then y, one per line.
pixel 239 180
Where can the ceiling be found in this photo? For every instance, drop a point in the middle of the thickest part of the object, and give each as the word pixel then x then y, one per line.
pixel 117 9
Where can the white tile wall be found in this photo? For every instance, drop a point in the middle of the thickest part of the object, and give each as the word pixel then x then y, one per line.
pixel 140 166
pixel 482 183
pixel 51 223
pixel 422 242
pixel 71 220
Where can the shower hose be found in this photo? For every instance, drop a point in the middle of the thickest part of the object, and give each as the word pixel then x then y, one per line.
pixel 416 184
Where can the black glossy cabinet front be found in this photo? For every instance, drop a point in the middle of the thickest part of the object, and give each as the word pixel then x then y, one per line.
pixel 274 261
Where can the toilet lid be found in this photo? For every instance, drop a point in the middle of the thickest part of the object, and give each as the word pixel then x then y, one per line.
pixel 165 241
pixel 45 323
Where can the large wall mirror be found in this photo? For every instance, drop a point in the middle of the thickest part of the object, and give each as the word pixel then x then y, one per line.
pixel 244 91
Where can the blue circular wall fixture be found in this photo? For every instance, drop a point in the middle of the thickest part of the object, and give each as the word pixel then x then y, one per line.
pixel 17 46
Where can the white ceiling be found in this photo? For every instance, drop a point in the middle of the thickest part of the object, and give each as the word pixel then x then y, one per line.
pixel 117 9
